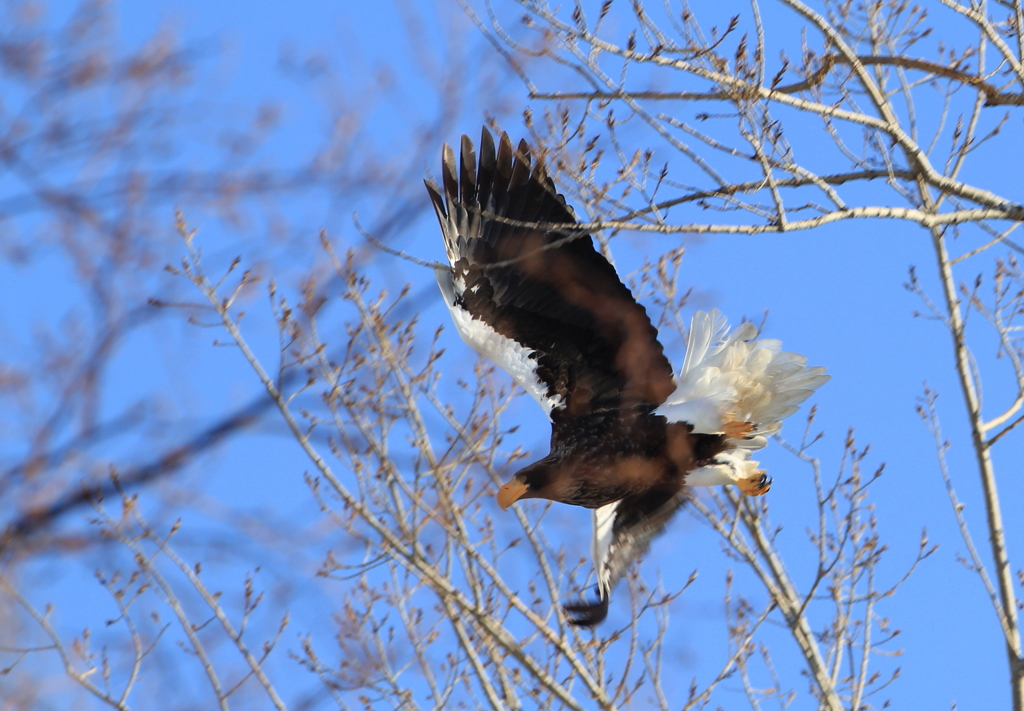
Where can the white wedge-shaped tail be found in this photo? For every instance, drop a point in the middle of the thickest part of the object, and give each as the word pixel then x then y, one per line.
pixel 734 379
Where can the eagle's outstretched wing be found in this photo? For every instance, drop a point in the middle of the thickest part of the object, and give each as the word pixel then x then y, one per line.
pixel 528 290
pixel 622 533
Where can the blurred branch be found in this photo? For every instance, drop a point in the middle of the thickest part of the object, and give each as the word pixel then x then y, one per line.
pixel 33 522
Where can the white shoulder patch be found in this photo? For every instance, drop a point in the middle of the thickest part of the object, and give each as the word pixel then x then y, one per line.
pixel 504 352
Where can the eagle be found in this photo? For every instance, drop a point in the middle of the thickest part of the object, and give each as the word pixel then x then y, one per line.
pixel 527 289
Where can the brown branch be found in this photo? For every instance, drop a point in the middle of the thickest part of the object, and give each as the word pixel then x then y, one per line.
pixel 993 96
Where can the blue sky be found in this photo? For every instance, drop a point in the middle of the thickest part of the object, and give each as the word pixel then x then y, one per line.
pixel 835 294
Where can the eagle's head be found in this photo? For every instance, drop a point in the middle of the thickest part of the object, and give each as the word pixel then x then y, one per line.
pixel 537 481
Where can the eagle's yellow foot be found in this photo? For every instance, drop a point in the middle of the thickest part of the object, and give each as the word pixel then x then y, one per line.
pixel 737 430
pixel 757 484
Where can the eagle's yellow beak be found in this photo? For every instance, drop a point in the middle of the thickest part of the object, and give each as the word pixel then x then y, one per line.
pixel 511 493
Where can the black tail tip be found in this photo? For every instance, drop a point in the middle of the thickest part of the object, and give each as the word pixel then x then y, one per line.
pixel 587 614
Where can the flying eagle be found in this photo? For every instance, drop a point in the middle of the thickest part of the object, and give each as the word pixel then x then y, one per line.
pixel 528 290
